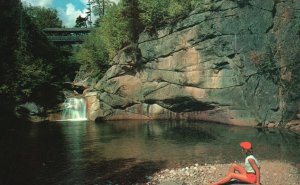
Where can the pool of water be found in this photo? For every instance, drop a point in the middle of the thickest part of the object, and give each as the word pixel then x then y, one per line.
pixel 125 152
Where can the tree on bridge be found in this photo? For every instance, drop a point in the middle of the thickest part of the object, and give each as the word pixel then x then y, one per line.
pixel 81 22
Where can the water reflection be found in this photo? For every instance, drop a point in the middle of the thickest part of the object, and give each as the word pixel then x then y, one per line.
pixel 125 152
pixel 190 134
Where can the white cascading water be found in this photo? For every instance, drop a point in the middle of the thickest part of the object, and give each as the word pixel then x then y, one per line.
pixel 74 110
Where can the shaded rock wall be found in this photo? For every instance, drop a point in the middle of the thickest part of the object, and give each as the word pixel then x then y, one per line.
pixel 229 61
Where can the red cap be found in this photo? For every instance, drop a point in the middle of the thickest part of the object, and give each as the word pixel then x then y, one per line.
pixel 246 145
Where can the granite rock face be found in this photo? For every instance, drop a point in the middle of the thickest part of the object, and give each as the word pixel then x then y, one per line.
pixel 233 62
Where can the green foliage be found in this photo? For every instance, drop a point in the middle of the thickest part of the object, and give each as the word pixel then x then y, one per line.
pixel 122 24
pixel 131 12
pixel 119 28
pixel 103 43
pixel 28 60
pixel 31 76
pixel 43 17
pixel 81 22
pixel 153 13
pixel 158 13
pixel 9 17
pixel 93 53
pixel 177 8
pixel 114 30
pixel 32 67
pixel 99 7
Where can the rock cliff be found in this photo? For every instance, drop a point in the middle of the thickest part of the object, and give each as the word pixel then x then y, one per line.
pixel 229 61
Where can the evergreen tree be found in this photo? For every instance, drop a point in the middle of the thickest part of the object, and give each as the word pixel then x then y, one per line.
pixel 81 22
pixel 100 7
pixel 131 13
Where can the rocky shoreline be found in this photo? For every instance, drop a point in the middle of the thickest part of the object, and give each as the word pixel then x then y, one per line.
pixel 272 173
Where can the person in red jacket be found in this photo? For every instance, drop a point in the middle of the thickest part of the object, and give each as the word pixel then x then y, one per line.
pixel 250 174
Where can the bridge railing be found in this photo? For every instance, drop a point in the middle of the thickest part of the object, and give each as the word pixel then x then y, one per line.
pixel 67 30
pixel 66 38
pixel 66 35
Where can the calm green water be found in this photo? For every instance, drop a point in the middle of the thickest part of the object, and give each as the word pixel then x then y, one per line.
pixel 71 153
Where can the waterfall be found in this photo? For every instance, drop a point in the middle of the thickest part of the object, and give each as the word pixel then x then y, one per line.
pixel 74 109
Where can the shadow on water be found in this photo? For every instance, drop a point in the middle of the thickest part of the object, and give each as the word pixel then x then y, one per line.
pixel 122 171
pixel 23 158
pixel 191 134
pixel 67 153
pixel 115 171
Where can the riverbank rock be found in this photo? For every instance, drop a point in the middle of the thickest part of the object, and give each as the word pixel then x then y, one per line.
pixel 272 172
pixel 294 125
pixel 233 62
pixel 30 111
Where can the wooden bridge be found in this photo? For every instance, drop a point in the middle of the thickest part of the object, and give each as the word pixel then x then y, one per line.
pixel 66 36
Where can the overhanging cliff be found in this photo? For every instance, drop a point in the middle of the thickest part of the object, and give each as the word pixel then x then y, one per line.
pixel 233 62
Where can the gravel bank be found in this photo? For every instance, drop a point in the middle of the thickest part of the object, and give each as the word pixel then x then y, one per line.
pixel 272 173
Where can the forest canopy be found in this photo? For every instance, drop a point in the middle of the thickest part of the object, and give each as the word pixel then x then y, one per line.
pixel 29 63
